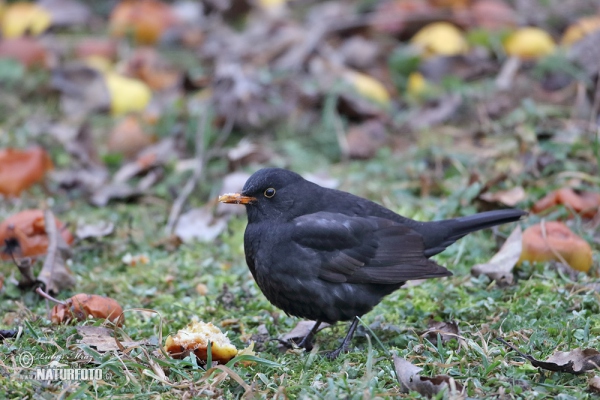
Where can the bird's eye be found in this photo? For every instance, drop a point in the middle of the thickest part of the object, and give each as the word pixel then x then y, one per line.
pixel 270 192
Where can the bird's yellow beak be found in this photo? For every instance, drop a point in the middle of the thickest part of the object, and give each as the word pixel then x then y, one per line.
pixel 235 198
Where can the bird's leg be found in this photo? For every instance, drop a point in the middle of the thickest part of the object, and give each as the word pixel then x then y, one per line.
pixel 332 355
pixel 307 341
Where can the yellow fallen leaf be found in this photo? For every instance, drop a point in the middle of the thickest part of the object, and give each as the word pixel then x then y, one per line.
pixel 440 39
pixel 270 4
pixel 126 94
pixel 529 43
pixel 580 29
pixel 368 86
pixel 99 63
pixel 417 84
pixel 20 19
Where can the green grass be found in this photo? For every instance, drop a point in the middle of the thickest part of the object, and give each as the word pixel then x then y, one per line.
pixel 543 312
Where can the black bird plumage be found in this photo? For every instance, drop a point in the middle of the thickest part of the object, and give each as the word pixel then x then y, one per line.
pixel 329 256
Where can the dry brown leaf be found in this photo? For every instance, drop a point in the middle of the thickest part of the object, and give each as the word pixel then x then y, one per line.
pixel 594 384
pixel 587 204
pixel 302 329
pixel 97 230
pixel 27 231
pixel 28 51
pixel 82 306
pixel 65 13
pixel 24 18
pixel 434 114
pixel 129 136
pixel 20 169
pixel 246 152
pixel 510 197
pixel 575 361
pixel 101 339
pixel 96 47
pixel 83 89
pixel 493 14
pixel 55 275
pixel 147 65
pixel 200 224
pixel 447 331
pixel 145 20
pixel 500 266
pixel 365 139
pixel 410 380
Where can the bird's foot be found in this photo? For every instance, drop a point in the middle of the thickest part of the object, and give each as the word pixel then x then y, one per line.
pixel 332 355
pixel 306 343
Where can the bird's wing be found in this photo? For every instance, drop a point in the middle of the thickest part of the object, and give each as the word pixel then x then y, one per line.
pixel 357 249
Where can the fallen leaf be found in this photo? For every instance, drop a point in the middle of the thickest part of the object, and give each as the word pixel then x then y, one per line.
pixel 580 29
pixel 147 65
pixel 397 17
pixel 96 47
pixel 97 230
pixel 20 169
pixel 410 380
pixel 594 384
pixel 302 329
pixel 585 203
pixel 83 89
pixel 199 224
pixel 500 266
pixel 28 229
pixel 493 15
pixel 23 18
pixel 364 140
pixel 246 152
pixel 126 94
pixel 575 361
pixel 367 86
pixel 28 51
pixel 82 306
pixel 114 191
pixel 440 39
pixel 447 331
pixel 101 339
pixel 435 113
pixel 359 52
pixel 55 275
pixel 529 43
pixel 145 20
pixel 510 197
pixel 129 136
pixel 66 13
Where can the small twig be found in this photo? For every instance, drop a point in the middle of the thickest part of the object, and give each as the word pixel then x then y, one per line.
pixel 201 159
pixel 595 107
pixel 507 74
pixel 45 295
pixel 45 275
pixel 193 180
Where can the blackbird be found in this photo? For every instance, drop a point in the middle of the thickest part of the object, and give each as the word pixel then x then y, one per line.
pixel 329 256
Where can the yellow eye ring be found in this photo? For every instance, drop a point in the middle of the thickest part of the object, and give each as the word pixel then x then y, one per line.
pixel 270 192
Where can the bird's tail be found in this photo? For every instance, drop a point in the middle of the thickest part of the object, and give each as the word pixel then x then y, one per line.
pixel 449 231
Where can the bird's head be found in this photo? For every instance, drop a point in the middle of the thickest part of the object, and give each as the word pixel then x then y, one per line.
pixel 272 194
